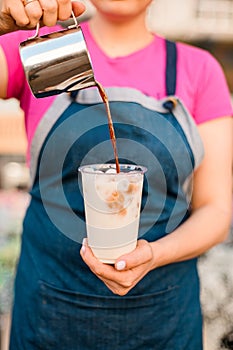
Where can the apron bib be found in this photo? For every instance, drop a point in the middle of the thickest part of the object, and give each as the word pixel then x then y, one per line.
pixel 59 302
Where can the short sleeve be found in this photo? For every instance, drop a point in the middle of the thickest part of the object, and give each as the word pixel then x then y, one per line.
pixel 212 96
pixel 16 78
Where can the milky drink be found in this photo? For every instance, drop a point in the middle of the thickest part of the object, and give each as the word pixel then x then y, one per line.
pixel 112 208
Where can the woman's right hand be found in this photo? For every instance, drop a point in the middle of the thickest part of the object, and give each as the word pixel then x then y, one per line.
pixel 25 14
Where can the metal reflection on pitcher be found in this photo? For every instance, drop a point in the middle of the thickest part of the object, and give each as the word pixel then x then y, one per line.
pixel 57 62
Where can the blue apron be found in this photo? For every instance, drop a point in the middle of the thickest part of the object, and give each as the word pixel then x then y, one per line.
pixel 59 303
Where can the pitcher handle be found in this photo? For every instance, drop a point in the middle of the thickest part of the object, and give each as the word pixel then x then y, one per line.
pixel 74 25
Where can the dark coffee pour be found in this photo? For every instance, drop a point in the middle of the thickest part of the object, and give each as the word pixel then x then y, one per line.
pixel 110 123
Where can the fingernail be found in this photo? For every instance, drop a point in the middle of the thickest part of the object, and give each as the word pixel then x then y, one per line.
pixel 120 265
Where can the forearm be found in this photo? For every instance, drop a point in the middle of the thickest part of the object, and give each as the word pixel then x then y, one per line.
pixel 7 24
pixel 206 227
pixel 211 200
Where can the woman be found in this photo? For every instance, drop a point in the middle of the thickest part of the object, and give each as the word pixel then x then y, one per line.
pixel 172 113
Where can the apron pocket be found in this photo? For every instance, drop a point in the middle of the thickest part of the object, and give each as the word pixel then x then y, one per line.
pixel 68 320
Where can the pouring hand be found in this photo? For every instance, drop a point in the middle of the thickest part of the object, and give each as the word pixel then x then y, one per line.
pixel 25 14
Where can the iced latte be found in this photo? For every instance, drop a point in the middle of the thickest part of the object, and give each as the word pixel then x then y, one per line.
pixel 112 208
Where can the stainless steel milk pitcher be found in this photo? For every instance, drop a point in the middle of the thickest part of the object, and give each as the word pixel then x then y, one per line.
pixel 57 62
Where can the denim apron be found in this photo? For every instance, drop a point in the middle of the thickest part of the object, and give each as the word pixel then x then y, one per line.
pixel 59 303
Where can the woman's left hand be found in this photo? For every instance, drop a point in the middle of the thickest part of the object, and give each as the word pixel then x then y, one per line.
pixel 128 270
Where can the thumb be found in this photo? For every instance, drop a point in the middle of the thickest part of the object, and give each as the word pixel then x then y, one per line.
pixel 139 256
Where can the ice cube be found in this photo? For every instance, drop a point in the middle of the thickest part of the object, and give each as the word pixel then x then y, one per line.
pixel 111 171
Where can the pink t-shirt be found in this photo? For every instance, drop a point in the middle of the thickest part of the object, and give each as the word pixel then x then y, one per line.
pixel 201 84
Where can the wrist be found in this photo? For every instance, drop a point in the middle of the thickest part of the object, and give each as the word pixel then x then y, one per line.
pixel 163 253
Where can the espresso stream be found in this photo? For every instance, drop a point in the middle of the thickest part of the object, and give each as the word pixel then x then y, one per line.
pixel 110 123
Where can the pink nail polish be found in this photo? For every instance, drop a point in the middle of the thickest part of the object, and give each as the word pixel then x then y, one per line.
pixel 120 265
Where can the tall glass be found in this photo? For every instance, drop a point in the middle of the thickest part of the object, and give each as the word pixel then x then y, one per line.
pixel 112 208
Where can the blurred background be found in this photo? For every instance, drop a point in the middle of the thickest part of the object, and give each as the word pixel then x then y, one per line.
pixel 204 23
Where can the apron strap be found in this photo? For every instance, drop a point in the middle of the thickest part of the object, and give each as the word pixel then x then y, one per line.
pixel 171 65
